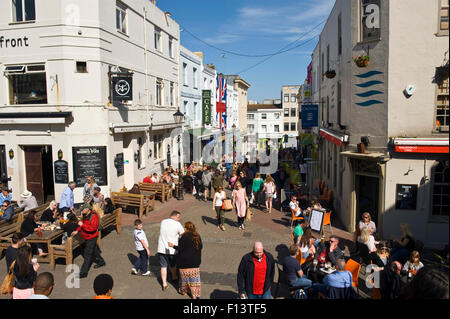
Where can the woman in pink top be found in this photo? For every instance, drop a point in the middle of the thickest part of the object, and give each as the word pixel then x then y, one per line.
pixel 240 201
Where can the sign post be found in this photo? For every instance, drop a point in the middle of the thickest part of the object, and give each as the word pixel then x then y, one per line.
pixel 206 107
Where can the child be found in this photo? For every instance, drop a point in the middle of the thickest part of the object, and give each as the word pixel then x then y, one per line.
pixel 142 248
pixel 103 285
pixel 413 264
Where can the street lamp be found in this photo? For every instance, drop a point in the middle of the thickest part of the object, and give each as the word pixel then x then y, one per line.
pixel 234 143
pixel 179 118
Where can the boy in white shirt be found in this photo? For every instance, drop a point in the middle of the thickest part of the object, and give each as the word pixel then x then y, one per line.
pixel 141 242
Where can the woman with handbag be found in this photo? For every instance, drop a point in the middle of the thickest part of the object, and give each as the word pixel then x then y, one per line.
pixel 240 201
pixel 270 191
pixel 218 200
pixel 25 273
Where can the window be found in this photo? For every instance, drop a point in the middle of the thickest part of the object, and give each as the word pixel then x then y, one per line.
pixel 322 71
pixel 286 127
pixel 276 128
pixel 264 116
pixel 335 166
pixel 328 57
pixel 293 112
pixel 286 112
pixel 121 17
pixel 157 146
pixel 440 194
pixel 81 67
pixel 159 91
pixel 339 34
pixel 185 76
pixel 194 77
pixel 172 94
pixel 442 103
pixel 276 115
pixel 293 126
pixel 251 128
pixel 142 153
pixel 158 39
pixel 339 102
pixel 250 116
pixel 293 98
pixel 328 110
pixel 27 84
pixel 443 16
pixel 370 20
pixel 171 47
pixel 194 118
pixel 264 128
pixel 286 98
pixel 23 10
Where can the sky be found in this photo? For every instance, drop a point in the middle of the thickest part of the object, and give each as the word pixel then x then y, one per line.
pixel 255 28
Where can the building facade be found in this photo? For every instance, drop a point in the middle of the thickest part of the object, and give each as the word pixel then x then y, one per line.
pixel 383 126
pixel 264 123
pixel 89 88
pixel 291 114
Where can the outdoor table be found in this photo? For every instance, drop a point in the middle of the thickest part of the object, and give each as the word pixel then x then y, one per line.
pixel 328 271
pixel 47 237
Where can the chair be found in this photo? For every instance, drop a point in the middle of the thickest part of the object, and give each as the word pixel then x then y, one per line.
pixel 282 278
pixel 300 258
pixel 354 268
pixel 294 218
pixel 341 293
pixel 327 220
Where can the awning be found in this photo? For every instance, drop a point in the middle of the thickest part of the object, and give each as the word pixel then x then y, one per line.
pixel 366 156
pixel 34 117
pixel 421 145
pixel 202 132
pixel 334 137
pixel 129 127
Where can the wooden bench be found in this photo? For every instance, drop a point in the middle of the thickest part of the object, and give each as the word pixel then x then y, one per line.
pixel 113 219
pixel 39 210
pixel 8 228
pixel 124 200
pixel 162 191
pixel 64 251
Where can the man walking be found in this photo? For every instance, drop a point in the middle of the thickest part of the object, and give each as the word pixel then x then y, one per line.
pixel 170 231
pixel 255 273
pixel 88 226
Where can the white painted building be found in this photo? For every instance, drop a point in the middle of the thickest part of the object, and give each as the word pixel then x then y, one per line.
pixel 264 123
pixel 57 62
pixel 291 114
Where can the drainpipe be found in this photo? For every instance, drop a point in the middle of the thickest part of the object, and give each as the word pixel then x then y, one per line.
pixel 146 81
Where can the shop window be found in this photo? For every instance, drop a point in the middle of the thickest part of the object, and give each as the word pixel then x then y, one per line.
pixel 27 84
pixel 442 100
pixel 23 10
pixel 440 195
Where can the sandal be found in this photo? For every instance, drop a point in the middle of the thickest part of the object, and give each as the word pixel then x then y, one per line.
pixel 164 288
pixel 222 228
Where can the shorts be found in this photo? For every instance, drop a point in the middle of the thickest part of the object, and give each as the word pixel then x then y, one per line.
pixel 166 260
pixel 269 195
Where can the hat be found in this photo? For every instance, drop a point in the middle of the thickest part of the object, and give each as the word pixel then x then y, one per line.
pixel 83 206
pixel 26 194
pixel 98 189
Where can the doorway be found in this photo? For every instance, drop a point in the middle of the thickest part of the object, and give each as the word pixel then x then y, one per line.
pixel 367 197
pixel 3 170
pixel 39 172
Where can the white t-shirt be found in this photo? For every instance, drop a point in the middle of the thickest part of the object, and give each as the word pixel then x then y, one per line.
pixel 269 188
pixel 219 198
pixel 170 231
pixel 292 206
pixel 138 236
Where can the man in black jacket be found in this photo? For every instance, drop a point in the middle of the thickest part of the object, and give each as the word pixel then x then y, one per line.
pixel 330 252
pixel 255 273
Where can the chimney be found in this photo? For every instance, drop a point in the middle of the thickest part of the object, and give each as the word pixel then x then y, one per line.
pixel 200 54
pixel 212 66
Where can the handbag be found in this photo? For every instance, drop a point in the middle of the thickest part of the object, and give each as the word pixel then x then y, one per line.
pixel 227 205
pixel 248 214
pixel 7 286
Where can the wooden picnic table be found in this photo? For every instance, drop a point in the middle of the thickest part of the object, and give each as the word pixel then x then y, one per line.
pixel 47 237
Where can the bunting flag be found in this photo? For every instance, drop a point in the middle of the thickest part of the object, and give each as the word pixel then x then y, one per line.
pixel 221 101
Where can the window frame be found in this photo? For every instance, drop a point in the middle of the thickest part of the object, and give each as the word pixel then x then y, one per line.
pixel 172 93
pixel 24 20
pixel 293 112
pixel 194 77
pixel 276 128
pixel 445 95
pixel 440 30
pixel 24 70
pixel 171 47
pixel 286 110
pixel 295 126
pixel 157 38
pixel 250 116
pixel 185 75
pixel 440 217
pixel 284 126
pixel 159 92
pixel 263 116
pixel 122 9
pixel 286 95
pixel 293 95
pixel 76 67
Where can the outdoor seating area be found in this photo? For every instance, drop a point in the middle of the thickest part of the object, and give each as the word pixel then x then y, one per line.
pixel 161 190
pixel 143 203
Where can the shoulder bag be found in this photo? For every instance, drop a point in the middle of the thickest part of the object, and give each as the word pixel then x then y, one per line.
pixel 7 286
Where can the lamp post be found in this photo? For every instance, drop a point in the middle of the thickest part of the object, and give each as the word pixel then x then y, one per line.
pixel 234 143
pixel 179 118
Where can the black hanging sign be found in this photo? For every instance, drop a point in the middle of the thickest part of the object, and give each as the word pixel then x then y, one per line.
pixel 122 88
pixel 61 172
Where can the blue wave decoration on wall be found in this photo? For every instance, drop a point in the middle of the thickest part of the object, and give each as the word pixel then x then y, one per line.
pixel 368 74
pixel 368 84
pixel 369 93
pixel 369 103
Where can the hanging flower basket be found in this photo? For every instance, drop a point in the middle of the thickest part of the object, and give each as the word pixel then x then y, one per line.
pixel 330 74
pixel 362 61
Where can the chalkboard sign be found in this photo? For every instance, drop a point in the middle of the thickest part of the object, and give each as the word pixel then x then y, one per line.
pixel 61 172
pixel 406 197
pixel 316 221
pixel 118 164
pixel 89 161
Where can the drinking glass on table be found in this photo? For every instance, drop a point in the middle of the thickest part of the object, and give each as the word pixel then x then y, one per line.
pixel 315 262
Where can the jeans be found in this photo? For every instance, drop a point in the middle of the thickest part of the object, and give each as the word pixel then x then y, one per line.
pixel 303 282
pixel 91 254
pixel 266 295
pixel 323 289
pixel 142 262
pixel 220 215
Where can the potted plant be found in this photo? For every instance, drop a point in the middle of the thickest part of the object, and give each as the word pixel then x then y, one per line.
pixel 362 61
pixel 330 74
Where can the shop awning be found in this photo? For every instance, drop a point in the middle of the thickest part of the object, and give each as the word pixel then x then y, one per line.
pixel 366 156
pixel 128 127
pixel 334 137
pixel 421 145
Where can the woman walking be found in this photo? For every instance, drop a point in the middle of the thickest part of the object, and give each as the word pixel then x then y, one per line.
pixel 269 190
pixel 188 260
pixel 257 189
pixel 240 201
pixel 219 197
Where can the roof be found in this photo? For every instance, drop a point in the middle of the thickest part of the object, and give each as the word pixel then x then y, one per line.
pixel 256 107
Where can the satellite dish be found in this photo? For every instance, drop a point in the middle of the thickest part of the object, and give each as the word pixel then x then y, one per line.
pixel 410 89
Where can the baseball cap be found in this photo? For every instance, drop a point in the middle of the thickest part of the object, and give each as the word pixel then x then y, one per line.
pixel 83 206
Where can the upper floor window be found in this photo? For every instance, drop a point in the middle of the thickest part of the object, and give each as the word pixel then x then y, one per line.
pixel 370 20
pixel 286 127
pixel 159 93
pixel 251 128
pixel 443 16
pixel 286 98
pixel 171 47
pixel 194 78
pixel 158 39
pixel 286 112
pixel 251 116
pixel 23 10
pixel 27 84
pixel 293 126
pixel 185 77
pixel 172 93
pixel 264 116
pixel 442 99
pixel 276 115
pixel 293 97
pixel 276 128
pixel 264 128
pixel 121 17
pixel 293 112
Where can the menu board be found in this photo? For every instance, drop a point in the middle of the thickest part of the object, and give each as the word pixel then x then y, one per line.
pixel 406 197
pixel 89 161
pixel 61 172
pixel 316 220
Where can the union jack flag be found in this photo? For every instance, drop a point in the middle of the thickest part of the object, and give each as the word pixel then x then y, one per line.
pixel 221 101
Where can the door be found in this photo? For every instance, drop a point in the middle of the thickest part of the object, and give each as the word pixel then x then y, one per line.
pixel 367 197
pixel 33 171
pixel 128 158
pixel 3 171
